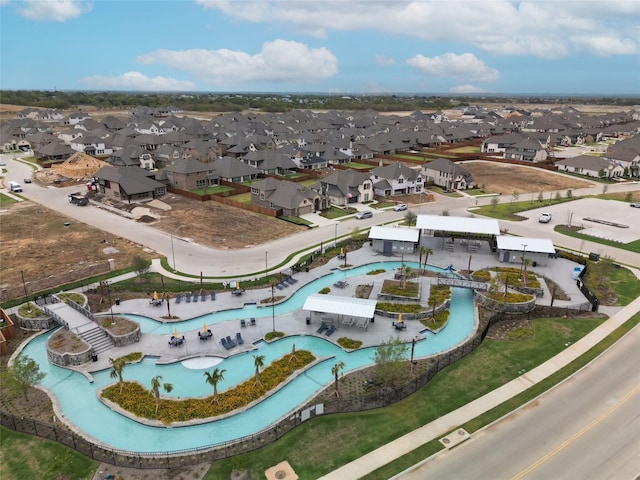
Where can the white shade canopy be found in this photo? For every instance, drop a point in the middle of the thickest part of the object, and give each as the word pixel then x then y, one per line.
pixel 353 307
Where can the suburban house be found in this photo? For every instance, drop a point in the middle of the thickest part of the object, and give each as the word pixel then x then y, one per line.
pixel 290 197
pixel 190 173
pixel 590 166
pixel 271 162
pixel 528 150
pixel 346 186
pixel 128 184
pixel 396 179
pixel 231 169
pixel 53 152
pixel 499 143
pixel 447 174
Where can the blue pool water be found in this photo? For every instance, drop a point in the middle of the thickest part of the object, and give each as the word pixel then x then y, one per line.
pixel 81 407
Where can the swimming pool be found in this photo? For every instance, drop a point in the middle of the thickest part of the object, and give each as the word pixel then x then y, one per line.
pixel 81 407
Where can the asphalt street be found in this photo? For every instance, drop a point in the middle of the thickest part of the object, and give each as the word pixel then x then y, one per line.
pixel 195 259
pixel 587 427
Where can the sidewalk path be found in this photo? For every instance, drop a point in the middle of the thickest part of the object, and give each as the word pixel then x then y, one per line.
pixel 443 425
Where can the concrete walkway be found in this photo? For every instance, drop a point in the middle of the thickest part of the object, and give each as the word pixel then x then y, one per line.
pixel 445 424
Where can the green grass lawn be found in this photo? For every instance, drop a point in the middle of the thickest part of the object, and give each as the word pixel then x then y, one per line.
pixel 24 456
pixel 325 443
pixel 358 166
pixel 241 197
pixel 212 190
pixel 335 212
pixel 631 246
pixel 6 200
pixel 508 210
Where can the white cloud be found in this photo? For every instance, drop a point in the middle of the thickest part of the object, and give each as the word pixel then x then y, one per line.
pixel 52 10
pixel 137 81
pixel 465 66
pixel 384 60
pixel 466 89
pixel 278 61
pixel 606 45
pixel 538 28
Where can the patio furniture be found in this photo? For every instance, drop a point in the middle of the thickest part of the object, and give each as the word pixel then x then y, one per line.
pixel 243 323
pixel 278 286
pixel 331 330
pixel 178 298
pixel 188 297
pixel 239 339
pixel 322 328
pixel 205 336
pixel 213 295
pixel 224 343
pixel 203 296
pixel 230 342
pixel 253 322
pixel 238 292
pixel 195 297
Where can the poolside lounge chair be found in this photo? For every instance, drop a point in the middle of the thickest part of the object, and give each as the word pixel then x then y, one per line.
pixel 243 323
pixel 188 297
pixel 239 338
pixel 213 295
pixel 253 322
pixel 292 280
pixel 195 297
pixel 178 298
pixel 278 286
pixel 322 328
pixel 203 296
pixel 230 342
pixel 224 343
pixel 331 330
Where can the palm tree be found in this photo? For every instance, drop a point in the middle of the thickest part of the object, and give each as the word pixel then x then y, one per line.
pixel 426 251
pixel 525 263
pixel 335 370
pixel 258 361
pixel 213 378
pixel 155 386
pixel 118 365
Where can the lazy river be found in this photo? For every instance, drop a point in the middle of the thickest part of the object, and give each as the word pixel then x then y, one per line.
pixel 78 400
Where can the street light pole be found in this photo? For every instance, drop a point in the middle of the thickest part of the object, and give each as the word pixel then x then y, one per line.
pixel 524 248
pixel 24 284
pixel 266 269
pixel 110 304
pixel 335 236
pixel 173 254
pixel 273 309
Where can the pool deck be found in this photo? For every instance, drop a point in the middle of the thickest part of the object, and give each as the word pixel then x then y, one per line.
pixel 294 323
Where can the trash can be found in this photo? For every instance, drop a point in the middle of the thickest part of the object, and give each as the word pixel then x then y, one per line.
pixel 306 269
pixel 308 320
pixel 594 257
pixel 117 301
pixel 94 357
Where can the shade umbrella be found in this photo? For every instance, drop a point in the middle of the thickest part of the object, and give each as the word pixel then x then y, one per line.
pixel 204 327
pixel 175 333
pixel 155 295
pixel 400 317
pixel 238 286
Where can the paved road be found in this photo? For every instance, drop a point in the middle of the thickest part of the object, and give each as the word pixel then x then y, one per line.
pixel 194 259
pixel 588 427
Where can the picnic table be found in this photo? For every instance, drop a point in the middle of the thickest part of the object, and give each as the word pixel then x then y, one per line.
pixel 176 341
pixel 238 292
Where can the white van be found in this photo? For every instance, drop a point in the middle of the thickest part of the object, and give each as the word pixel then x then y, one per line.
pixel 15 187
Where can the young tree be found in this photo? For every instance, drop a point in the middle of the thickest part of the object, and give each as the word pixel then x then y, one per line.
pixel 258 361
pixel 335 370
pixel 390 358
pixel 495 200
pixel 569 193
pixel 540 197
pixel 213 378
pixel 23 374
pixel 427 252
pixel 514 198
pixel 117 366
pixel 155 386
pixel 445 213
pixel 410 218
pixel 140 265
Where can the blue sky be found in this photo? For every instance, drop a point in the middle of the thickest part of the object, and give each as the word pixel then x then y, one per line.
pixel 565 47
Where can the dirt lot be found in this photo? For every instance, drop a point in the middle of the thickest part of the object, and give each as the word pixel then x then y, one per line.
pixel 211 223
pixel 506 179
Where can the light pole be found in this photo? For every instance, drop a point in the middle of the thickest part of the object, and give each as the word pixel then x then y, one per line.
pixel 335 236
pixel 273 309
pixel 266 269
pixel 524 248
pixel 110 304
pixel 24 284
pixel 173 254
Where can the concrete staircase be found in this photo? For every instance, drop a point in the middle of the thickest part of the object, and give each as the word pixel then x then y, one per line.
pixel 98 339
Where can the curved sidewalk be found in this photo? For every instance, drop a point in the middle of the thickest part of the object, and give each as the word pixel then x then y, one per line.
pixel 445 424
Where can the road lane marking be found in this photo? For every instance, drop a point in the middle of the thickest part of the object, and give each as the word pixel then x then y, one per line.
pixel 577 435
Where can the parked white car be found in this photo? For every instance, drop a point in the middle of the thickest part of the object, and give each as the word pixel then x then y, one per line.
pixel 400 207
pixel 545 218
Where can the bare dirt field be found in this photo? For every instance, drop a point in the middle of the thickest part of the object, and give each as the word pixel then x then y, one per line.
pixel 507 179
pixel 37 244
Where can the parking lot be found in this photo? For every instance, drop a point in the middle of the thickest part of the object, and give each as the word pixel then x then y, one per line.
pixel 577 212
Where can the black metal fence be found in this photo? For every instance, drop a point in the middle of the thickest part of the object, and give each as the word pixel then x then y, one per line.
pixel 376 399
